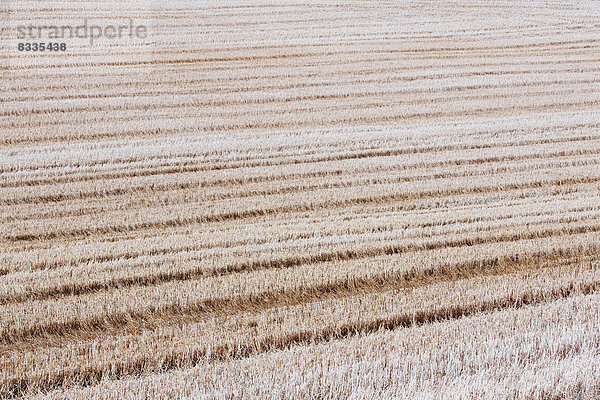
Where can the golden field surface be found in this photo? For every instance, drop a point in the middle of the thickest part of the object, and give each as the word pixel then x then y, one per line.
pixel 302 200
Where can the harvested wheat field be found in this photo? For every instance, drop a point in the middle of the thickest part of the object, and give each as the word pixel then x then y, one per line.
pixel 301 200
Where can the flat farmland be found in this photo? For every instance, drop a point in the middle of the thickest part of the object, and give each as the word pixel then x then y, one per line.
pixel 301 200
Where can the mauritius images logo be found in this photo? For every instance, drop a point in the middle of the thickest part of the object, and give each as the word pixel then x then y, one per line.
pixel 85 30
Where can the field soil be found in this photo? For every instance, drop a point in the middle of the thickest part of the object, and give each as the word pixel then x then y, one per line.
pixel 302 200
